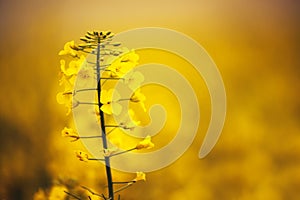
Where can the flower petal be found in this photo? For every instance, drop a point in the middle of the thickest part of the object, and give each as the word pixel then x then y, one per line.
pixel 106 108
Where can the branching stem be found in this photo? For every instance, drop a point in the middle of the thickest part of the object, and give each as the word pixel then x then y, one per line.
pixel 102 124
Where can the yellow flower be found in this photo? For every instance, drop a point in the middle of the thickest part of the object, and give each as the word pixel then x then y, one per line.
pixel 66 99
pixel 68 49
pixel 110 151
pixel 109 101
pixel 57 193
pixel 69 132
pixel 123 64
pixel 73 67
pixel 134 79
pixel 82 156
pixel 145 144
pixel 66 82
pixel 130 57
pixel 62 65
pixel 140 176
pixel 85 76
pixel 138 97
pixel 67 78
pixel 130 123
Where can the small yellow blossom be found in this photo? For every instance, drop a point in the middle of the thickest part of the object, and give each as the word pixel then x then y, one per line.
pixel 134 79
pixel 85 76
pixel 110 151
pixel 109 101
pixel 67 82
pixel 123 64
pixel 138 97
pixel 62 65
pixel 130 122
pixel 130 57
pixel 69 132
pixel 73 67
pixel 66 99
pixel 69 74
pixel 82 156
pixel 140 176
pixel 145 144
pixel 68 49
pixel 111 108
pixel 109 96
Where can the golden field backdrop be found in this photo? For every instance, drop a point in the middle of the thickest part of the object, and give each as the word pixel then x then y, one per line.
pixel 255 45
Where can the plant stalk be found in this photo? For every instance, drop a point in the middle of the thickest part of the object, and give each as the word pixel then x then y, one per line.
pixel 102 124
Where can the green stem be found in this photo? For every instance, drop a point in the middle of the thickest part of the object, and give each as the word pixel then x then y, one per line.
pixel 112 126
pixel 102 124
pixel 124 187
pixel 96 159
pixel 88 103
pixel 93 193
pixel 89 137
pixel 72 195
pixel 123 182
pixel 86 89
pixel 111 130
pixel 122 152
pixel 107 78
pixel 126 99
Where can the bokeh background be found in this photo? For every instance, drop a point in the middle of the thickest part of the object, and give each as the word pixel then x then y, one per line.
pixel 255 44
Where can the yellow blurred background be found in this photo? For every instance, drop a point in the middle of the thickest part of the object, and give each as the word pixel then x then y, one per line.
pixel 255 44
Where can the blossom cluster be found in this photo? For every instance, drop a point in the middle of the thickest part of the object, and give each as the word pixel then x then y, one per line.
pixel 110 63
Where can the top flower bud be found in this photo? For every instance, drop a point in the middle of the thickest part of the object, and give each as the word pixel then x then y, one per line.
pixel 93 36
